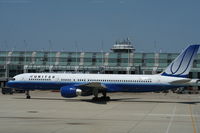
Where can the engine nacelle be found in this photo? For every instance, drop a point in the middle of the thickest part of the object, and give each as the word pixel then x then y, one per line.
pixel 70 92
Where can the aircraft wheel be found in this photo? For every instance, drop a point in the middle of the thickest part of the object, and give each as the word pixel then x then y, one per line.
pixel 95 99
pixel 107 98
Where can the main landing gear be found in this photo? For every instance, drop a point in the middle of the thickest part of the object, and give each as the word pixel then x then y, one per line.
pixel 99 99
pixel 28 95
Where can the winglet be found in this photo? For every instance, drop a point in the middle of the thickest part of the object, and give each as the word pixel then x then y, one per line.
pixel 181 66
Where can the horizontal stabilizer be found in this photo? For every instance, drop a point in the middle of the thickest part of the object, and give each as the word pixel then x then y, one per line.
pixel 181 81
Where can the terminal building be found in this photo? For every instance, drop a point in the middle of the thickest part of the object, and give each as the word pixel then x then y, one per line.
pixel 122 59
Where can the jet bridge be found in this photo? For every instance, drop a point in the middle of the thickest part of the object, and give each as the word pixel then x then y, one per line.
pixel 7 90
pixel 3 87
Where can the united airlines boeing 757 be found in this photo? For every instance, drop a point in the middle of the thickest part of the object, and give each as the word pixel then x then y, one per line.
pixel 73 85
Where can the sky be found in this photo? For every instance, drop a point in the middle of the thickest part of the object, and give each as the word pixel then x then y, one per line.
pixel 95 25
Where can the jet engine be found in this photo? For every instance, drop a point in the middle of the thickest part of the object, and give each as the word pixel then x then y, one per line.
pixel 70 92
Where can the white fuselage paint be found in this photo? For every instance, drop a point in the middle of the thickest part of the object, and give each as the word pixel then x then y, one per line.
pixel 110 81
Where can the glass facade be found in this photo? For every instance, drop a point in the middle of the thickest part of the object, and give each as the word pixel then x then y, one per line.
pixel 16 62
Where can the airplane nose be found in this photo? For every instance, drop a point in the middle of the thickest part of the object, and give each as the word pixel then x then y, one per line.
pixel 10 84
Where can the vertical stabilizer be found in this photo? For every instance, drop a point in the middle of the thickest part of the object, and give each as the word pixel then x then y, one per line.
pixel 181 66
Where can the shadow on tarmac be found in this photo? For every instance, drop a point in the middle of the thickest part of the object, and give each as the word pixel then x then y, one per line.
pixel 80 100
pixel 131 100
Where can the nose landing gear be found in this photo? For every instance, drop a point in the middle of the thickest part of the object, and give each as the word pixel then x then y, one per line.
pixel 28 95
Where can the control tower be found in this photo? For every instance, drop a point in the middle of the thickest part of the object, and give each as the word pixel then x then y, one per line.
pixel 123 46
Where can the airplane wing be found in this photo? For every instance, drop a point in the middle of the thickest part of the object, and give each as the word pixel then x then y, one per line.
pixel 91 88
pixel 92 85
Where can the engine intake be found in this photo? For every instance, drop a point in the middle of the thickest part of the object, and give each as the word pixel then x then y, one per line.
pixel 70 92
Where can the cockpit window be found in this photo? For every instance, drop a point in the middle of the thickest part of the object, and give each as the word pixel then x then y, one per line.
pixel 12 79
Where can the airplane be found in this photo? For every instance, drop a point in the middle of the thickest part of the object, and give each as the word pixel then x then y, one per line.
pixel 73 85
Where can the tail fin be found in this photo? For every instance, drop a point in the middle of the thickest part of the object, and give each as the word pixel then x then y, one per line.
pixel 181 66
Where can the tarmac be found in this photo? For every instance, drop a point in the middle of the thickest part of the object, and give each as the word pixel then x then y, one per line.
pixel 48 112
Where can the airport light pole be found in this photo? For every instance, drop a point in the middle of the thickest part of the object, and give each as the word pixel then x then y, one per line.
pixel 50 60
pixel 102 52
pixel 25 63
pixel 76 65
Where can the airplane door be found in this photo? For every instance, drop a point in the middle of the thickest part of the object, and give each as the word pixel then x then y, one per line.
pixel 23 79
pixel 159 81
pixel 57 79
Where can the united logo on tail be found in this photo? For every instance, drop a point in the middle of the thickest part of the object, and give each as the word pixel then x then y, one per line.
pixel 181 66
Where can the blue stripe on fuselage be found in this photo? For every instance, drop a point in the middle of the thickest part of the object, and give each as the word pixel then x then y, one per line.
pixel 111 87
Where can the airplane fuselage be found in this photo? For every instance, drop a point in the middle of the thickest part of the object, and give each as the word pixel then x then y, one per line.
pixel 112 82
